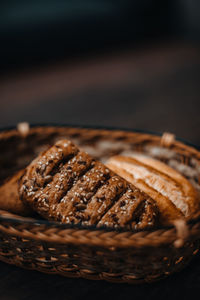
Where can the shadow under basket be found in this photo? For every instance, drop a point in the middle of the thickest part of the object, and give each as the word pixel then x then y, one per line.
pixel 89 252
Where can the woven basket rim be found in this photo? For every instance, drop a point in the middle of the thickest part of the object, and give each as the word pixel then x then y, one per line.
pixel 101 127
pixel 11 219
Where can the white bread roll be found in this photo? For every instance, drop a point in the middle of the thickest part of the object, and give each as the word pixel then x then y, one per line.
pixel 174 194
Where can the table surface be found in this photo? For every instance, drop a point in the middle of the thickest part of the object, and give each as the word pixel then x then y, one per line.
pixel 156 88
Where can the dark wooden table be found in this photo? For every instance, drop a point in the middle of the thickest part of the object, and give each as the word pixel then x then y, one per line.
pixel 155 88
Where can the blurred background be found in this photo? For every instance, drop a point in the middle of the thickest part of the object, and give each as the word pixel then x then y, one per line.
pixel 123 63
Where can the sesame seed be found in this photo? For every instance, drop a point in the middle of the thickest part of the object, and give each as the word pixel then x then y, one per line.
pixel 30 193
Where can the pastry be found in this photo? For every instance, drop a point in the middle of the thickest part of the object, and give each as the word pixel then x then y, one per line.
pixel 67 185
pixel 174 194
pixel 9 196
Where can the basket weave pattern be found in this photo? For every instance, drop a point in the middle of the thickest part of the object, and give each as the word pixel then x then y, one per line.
pixel 75 251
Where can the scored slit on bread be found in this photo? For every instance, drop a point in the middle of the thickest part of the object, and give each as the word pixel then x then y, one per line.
pixel 67 185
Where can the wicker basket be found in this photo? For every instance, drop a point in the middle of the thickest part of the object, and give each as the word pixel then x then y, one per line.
pixel 75 251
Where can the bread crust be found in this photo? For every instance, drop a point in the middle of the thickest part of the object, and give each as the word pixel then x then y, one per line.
pixel 174 194
pixel 9 196
pixel 75 188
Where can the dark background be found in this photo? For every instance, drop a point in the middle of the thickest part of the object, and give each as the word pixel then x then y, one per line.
pixel 118 63
pixel 133 64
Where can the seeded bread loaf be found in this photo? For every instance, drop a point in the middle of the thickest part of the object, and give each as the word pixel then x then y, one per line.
pixel 67 185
